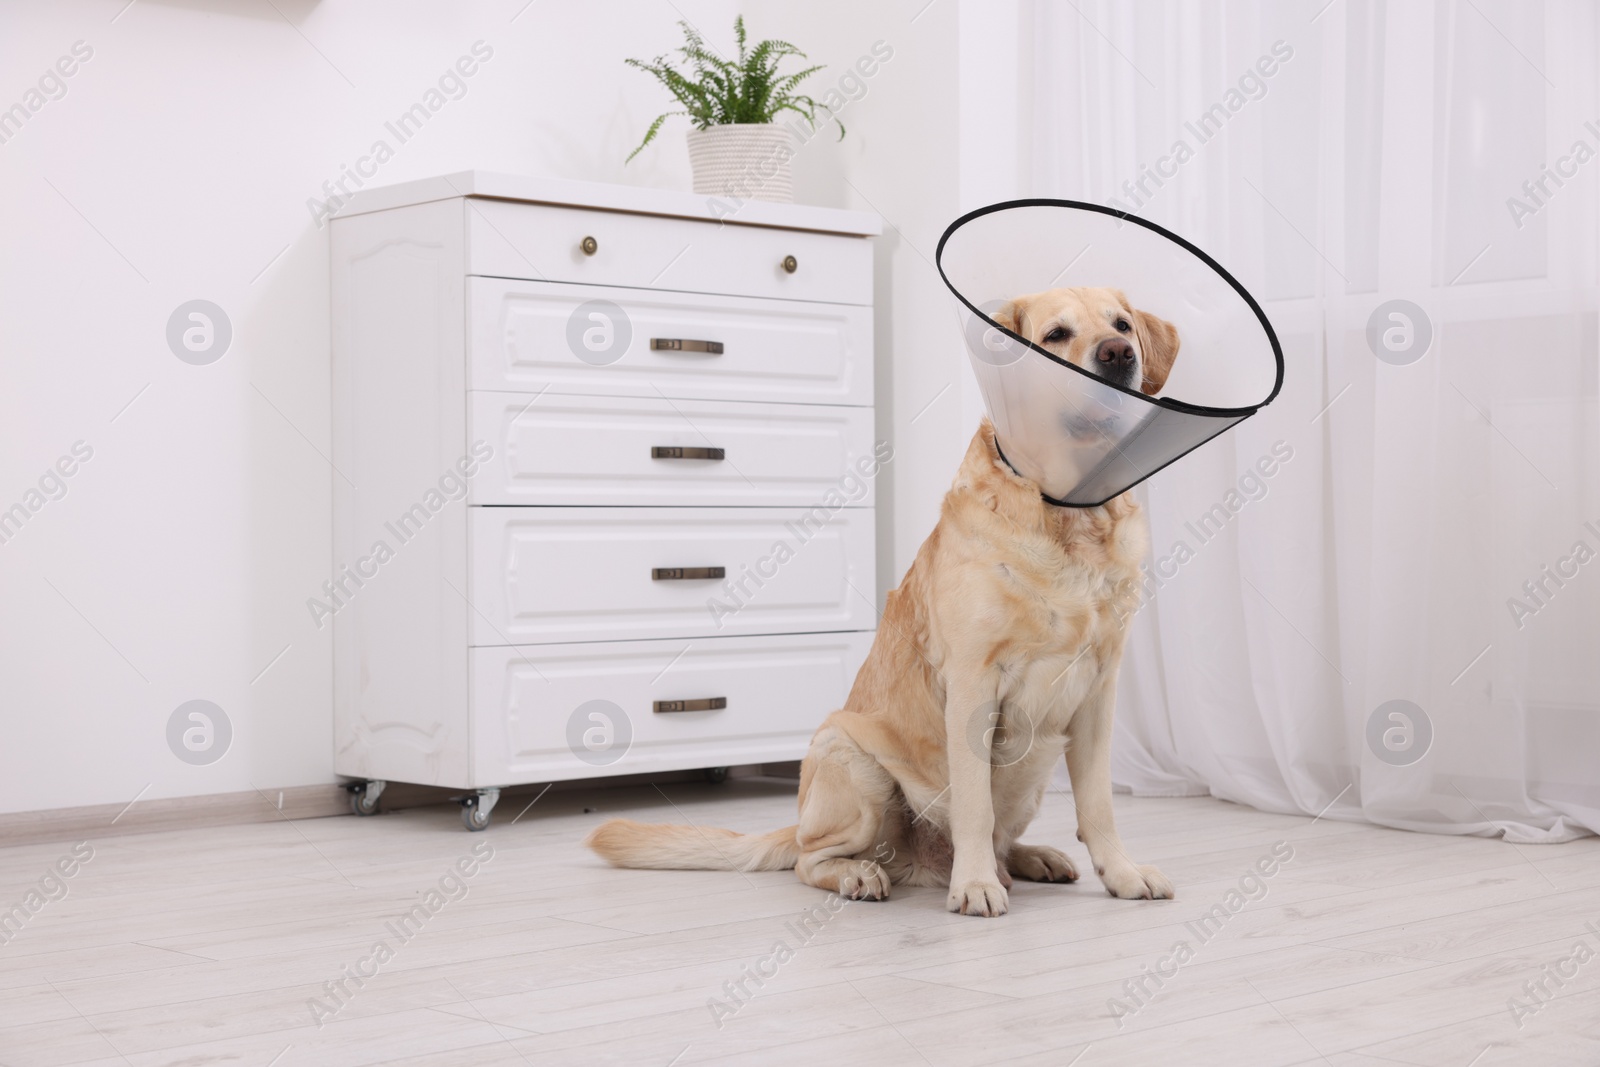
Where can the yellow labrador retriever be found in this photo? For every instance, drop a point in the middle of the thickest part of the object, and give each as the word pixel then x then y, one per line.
pixel 997 652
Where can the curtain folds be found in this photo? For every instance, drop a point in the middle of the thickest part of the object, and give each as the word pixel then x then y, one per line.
pixel 1380 597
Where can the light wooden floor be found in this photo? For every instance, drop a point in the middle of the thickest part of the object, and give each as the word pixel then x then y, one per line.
pixel 1369 947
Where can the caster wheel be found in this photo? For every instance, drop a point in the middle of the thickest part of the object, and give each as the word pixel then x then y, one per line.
pixel 473 817
pixel 716 775
pixel 475 809
pixel 364 797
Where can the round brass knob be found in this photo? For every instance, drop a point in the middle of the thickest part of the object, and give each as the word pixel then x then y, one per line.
pixel 589 245
pixel 790 264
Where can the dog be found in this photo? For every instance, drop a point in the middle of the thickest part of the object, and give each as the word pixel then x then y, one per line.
pixel 997 652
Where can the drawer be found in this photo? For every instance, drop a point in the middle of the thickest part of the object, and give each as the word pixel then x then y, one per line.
pixel 542 575
pixel 544 242
pixel 529 337
pixel 548 712
pixel 637 450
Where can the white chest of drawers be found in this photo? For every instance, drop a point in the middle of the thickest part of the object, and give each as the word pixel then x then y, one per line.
pixel 604 490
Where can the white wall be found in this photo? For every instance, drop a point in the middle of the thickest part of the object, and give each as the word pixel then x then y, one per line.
pixel 178 165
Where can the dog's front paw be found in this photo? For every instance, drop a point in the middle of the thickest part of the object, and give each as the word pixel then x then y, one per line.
pixel 1132 882
pixel 977 897
pixel 1041 863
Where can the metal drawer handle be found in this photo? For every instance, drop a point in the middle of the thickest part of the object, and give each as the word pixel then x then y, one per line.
pixel 790 264
pixel 589 246
pixel 682 574
pixel 703 704
pixel 686 452
pixel 679 344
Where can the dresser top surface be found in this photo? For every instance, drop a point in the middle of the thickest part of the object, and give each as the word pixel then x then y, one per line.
pixel 566 192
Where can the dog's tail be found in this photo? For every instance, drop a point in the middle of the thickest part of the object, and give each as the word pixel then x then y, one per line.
pixel 625 843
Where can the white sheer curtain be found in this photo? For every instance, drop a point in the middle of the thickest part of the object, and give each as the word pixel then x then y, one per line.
pixel 1409 508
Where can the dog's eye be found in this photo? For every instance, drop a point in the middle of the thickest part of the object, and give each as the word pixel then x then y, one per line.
pixel 1122 326
pixel 1057 335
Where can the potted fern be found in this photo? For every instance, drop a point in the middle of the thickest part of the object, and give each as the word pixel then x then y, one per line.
pixel 736 147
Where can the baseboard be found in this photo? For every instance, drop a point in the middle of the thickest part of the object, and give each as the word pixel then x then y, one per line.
pixel 173 813
pixel 271 805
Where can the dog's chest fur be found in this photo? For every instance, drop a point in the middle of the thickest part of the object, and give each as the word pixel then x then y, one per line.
pixel 1045 591
pixel 1033 597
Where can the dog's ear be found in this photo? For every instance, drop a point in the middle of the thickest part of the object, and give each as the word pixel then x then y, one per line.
pixel 1011 316
pixel 1158 344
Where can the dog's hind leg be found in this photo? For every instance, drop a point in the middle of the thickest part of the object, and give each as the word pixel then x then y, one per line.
pixel 1040 863
pixel 1034 863
pixel 845 795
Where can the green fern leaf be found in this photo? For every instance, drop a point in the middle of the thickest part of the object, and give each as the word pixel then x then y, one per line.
pixel 715 91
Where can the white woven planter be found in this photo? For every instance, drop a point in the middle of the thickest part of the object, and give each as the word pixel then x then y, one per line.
pixel 744 161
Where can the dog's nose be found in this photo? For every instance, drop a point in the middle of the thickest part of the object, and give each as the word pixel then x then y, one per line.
pixel 1115 352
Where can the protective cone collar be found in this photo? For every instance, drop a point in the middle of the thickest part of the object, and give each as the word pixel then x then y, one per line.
pixel 1082 438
